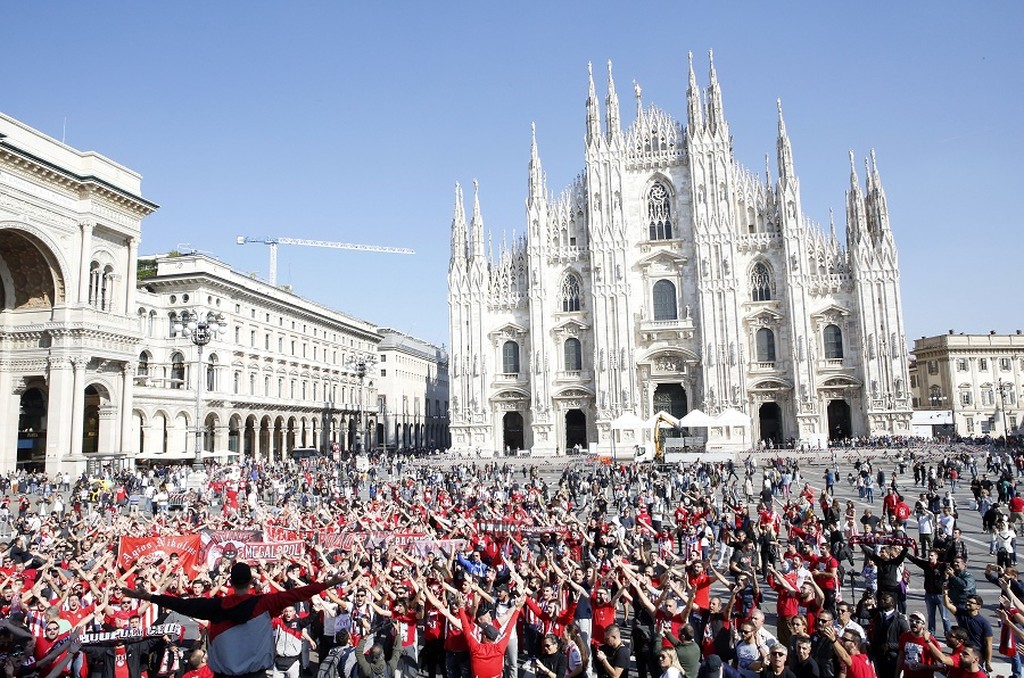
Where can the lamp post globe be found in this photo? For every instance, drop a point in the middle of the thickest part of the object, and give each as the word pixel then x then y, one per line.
pixel 359 366
pixel 200 330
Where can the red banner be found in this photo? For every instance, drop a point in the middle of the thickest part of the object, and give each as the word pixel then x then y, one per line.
pixel 146 551
pixel 262 550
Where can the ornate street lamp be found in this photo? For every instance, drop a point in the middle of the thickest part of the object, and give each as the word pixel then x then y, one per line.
pixel 937 401
pixel 359 367
pixel 201 332
pixel 1004 388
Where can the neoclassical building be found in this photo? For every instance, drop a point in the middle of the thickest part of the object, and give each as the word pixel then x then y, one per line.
pixel 412 392
pixel 93 369
pixel 976 381
pixel 282 376
pixel 70 223
pixel 669 277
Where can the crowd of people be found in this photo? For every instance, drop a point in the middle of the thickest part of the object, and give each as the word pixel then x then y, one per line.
pixel 487 569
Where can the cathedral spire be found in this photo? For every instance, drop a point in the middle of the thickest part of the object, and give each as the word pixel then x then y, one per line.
pixel 876 203
pixel 694 116
pixel 854 207
pixel 785 152
pixel 854 180
pixel 638 92
pixel 832 225
pixel 593 116
pixel 612 108
pixel 536 189
pixel 477 225
pixel 716 118
pixel 459 252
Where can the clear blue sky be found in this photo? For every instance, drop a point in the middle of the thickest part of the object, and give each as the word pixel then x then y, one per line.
pixel 352 121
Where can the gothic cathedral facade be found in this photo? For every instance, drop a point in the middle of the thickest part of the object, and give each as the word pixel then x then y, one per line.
pixel 668 277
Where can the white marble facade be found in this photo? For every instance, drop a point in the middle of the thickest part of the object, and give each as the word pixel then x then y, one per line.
pixel 70 223
pixel 668 277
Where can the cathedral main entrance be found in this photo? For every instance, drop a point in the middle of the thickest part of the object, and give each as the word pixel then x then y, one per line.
pixel 770 423
pixel 575 429
pixel 512 431
pixel 839 425
pixel 670 398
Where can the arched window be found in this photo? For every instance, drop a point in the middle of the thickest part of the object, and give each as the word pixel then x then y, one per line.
pixel 143 364
pixel 664 300
pixel 760 283
pixel 510 358
pixel 95 283
pixel 211 374
pixel 570 294
pixel 659 212
pixel 573 355
pixel 765 345
pixel 172 321
pixel 107 288
pixel 833 342
pixel 177 370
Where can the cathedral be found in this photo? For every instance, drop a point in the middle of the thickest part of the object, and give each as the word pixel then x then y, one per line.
pixel 667 277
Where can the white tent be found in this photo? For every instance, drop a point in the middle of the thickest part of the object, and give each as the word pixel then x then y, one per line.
pixel 731 417
pixel 166 456
pixel 662 420
pixel 697 419
pixel 628 421
pixel 223 454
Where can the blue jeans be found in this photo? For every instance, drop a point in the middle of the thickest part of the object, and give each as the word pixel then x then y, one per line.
pixel 933 602
pixel 1016 664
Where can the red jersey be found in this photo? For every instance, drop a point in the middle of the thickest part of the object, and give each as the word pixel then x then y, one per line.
pixel 916 653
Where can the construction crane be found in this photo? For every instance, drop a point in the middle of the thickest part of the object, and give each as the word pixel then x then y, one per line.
pixel 274 242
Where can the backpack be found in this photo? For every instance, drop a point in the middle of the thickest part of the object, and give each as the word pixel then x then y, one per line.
pixel 340 662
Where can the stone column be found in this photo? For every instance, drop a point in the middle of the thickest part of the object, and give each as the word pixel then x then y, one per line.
pixel 222 434
pixel 9 415
pixel 108 433
pixel 60 413
pixel 85 254
pixel 131 277
pixel 125 443
pixel 78 406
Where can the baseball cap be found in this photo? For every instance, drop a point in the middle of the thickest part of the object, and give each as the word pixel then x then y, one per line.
pixel 489 632
pixel 917 615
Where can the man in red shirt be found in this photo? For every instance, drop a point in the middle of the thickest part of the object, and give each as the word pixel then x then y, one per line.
pixel 1016 510
pixel 825 570
pixel 487 655
pixel 847 646
pixel 787 604
pixel 970 664
pixel 916 659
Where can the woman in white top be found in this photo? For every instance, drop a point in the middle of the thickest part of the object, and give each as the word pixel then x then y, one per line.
pixel 669 663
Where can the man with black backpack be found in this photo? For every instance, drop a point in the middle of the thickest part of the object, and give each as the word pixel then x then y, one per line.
pixel 340 662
